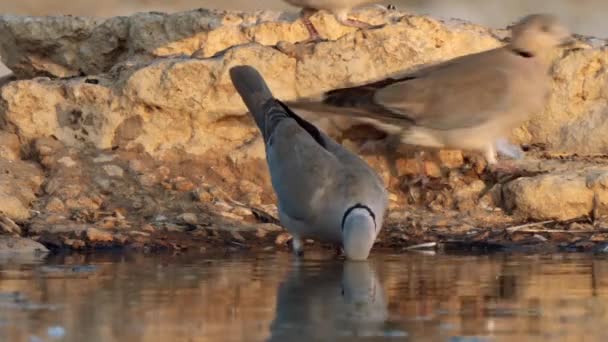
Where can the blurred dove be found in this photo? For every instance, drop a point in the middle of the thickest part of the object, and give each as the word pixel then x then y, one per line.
pixel 469 102
pixel 324 191
pixel 339 8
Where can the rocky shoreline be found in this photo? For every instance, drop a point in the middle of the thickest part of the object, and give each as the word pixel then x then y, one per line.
pixel 126 133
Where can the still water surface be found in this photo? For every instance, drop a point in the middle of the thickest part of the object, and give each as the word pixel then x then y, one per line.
pixel 271 297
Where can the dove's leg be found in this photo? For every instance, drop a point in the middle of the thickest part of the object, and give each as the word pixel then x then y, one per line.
pixel 298 245
pixel 494 165
pixel 312 31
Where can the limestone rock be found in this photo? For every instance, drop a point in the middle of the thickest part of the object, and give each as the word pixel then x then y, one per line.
pixel 17 245
pixel 189 103
pixel 19 183
pixel 558 196
pixel 9 146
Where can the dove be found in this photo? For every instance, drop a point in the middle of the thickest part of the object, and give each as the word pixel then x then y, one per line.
pixel 339 8
pixel 467 103
pixel 324 191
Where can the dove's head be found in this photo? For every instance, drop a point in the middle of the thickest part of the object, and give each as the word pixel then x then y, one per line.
pixel 358 232
pixel 538 33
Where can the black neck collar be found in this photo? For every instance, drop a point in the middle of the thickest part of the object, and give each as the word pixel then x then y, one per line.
pixel 359 206
pixel 522 53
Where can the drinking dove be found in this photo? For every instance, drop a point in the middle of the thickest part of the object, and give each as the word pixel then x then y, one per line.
pixel 324 191
pixel 467 103
pixel 339 8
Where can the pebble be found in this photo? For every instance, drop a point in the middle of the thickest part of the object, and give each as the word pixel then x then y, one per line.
pixel 104 158
pixel 67 161
pixel 282 239
pixel 97 235
pixel 242 211
pixel 231 216
pixel 114 171
pixel 188 218
pixel 237 236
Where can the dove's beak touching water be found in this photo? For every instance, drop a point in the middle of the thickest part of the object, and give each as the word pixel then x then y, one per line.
pixel 358 234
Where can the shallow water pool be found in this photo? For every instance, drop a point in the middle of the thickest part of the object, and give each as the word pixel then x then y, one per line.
pixel 273 297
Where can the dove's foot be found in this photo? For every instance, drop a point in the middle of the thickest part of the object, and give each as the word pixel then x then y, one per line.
pixel 298 246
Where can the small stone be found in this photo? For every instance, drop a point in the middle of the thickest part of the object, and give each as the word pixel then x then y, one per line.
pixel 160 218
pixel 149 179
pixel 67 161
pixel 163 172
pixel 183 185
pixel 104 158
pixel 282 239
pixel 169 227
pixel 466 197
pixel 148 228
pixel 231 216
pixel 222 206
pixel 431 169
pixel 55 205
pixel 188 218
pixel 74 243
pixel 136 165
pixel 261 233
pixel 9 146
pixel 451 158
pixel 202 195
pixel 47 146
pixel 242 211
pixel 407 167
pixel 97 235
pixel 114 171
pixel 237 236
pixel 8 226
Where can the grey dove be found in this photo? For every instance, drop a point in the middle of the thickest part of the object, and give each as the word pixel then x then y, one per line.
pixel 324 191
pixel 339 8
pixel 467 103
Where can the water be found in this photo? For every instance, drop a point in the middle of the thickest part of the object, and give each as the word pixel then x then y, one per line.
pixel 271 297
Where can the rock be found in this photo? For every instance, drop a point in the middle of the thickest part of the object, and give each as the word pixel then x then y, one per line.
pixel 282 239
pixel 549 197
pixel 97 235
pixel 104 158
pixel 9 227
pixel 451 159
pixel 19 183
pixel 17 245
pixel 55 204
pixel 10 147
pixel 188 218
pixel 46 146
pixel 181 102
pixel 467 197
pixel 598 182
pixel 114 171
pixel 67 161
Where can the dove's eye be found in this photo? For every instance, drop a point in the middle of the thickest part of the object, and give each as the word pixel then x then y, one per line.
pixel 545 28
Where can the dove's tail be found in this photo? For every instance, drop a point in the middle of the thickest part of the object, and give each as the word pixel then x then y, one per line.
pixel 267 111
